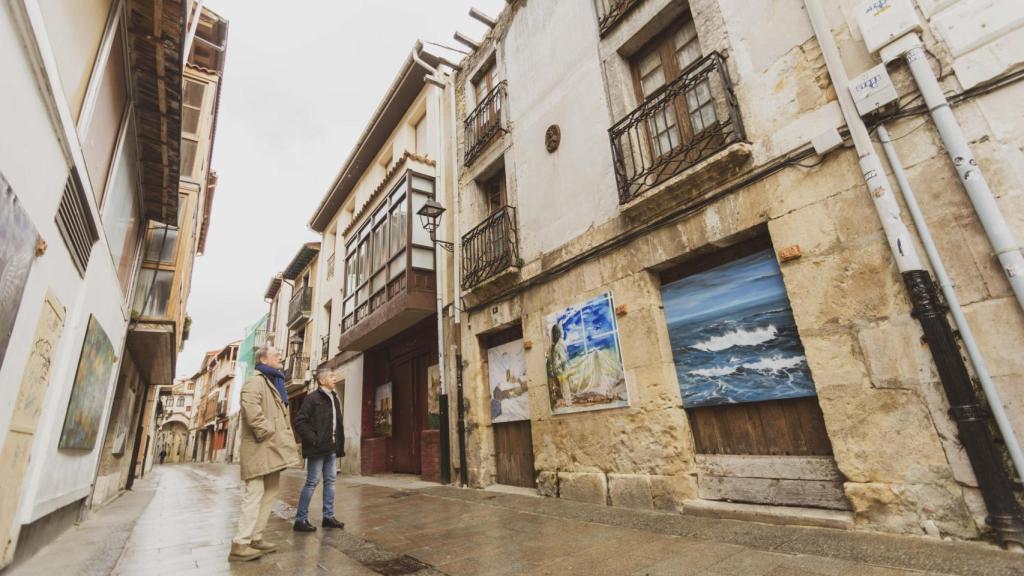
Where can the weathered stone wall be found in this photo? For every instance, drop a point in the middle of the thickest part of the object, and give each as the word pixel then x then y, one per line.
pixel 884 408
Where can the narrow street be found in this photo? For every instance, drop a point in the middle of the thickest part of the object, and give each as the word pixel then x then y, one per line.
pixel 181 519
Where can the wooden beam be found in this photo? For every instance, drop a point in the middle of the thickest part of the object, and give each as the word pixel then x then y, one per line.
pixel 481 17
pixel 463 39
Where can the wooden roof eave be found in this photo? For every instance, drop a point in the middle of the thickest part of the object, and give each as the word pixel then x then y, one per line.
pixel 156 31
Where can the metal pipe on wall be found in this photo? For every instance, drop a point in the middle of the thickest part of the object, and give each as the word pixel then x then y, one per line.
pixel 1003 242
pixel 953 302
pixel 1004 514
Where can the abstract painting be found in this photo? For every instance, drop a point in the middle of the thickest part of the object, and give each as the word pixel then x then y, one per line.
pixel 85 410
pixel 382 410
pixel 733 335
pixel 506 369
pixel 18 239
pixel 584 362
pixel 434 397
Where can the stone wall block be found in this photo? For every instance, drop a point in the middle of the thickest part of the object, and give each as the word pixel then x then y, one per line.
pixel 547 484
pixel 630 491
pixel 999 329
pixel 835 360
pixel 905 507
pixel 955 246
pixel 856 284
pixel 883 436
pixel 797 187
pixel 854 215
pixel 896 355
pixel 811 227
pixel 668 493
pixel 590 487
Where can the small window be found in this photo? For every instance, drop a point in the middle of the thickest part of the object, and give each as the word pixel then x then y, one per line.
pixel 484 82
pixel 494 192
pixel 398 225
pixel 192 107
pixel 75 223
pixel 421 136
pixel 161 243
pixel 154 293
pixel 188 158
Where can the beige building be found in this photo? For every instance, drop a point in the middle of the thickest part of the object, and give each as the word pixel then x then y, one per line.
pixel 669 301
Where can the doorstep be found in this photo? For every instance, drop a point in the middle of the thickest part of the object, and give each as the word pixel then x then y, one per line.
pixel 781 515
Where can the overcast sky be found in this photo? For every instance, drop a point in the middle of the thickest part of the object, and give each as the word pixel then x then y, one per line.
pixel 301 80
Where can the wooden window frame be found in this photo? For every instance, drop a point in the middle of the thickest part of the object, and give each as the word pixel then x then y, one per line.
pixel 662 43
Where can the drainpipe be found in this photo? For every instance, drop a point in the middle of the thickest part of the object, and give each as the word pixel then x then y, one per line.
pixel 435 79
pixel 999 234
pixel 946 283
pixel 1004 515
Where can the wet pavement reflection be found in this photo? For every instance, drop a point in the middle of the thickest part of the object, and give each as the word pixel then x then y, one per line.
pixel 397 526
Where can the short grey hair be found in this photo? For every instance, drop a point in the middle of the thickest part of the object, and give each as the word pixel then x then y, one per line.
pixel 261 353
pixel 322 372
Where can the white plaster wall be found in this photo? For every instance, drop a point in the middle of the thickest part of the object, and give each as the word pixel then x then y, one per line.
pixel 559 195
pixel 352 414
pixel 34 164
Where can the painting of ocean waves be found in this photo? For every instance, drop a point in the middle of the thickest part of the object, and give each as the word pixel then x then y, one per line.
pixel 733 335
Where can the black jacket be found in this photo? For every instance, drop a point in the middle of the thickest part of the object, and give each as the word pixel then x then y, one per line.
pixel 313 423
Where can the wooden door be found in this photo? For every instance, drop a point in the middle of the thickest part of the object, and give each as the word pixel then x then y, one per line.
pixel 404 432
pixel 513 454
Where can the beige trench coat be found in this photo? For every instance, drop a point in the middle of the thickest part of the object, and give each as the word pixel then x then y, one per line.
pixel 268 444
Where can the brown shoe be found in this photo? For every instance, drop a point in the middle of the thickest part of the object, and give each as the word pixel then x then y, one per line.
pixel 263 546
pixel 243 553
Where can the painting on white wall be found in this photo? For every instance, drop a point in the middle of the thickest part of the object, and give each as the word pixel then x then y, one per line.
pixel 506 368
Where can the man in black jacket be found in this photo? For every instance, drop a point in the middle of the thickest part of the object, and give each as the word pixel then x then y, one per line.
pixel 319 424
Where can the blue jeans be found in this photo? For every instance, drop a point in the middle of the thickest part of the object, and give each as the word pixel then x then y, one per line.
pixel 314 466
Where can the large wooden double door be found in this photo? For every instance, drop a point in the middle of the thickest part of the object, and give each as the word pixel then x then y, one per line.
pixel 409 393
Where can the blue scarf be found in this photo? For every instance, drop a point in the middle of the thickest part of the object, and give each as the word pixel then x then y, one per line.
pixel 277 377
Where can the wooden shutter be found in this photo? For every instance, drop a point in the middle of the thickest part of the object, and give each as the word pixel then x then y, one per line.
pixel 75 223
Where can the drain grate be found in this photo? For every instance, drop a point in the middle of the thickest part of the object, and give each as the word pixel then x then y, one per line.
pixel 397 566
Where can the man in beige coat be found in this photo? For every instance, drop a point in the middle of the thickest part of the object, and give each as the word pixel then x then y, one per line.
pixel 267 447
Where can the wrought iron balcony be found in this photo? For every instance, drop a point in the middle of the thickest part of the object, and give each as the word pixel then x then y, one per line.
pixel 485 122
pixel 297 367
pixel 611 12
pixel 490 248
pixel 677 127
pixel 300 306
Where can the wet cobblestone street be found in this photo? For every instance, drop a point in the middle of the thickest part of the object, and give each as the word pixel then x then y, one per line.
pixel 180 520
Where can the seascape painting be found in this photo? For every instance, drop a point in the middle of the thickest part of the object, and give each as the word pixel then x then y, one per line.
pixel 584 360
pixel 17 251
pixel 382 410
pixel 85 410
pixel 733 335
pixel 506 369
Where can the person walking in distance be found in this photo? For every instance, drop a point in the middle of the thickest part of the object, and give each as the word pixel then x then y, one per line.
pixel 267 448
pixel 319 424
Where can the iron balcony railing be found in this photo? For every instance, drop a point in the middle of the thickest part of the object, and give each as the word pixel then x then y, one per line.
pixel 259 338
pixel 297 367
pixel 491 247
pixel 611 12
pixel 683 123
pixel 485 122
pixel 300 305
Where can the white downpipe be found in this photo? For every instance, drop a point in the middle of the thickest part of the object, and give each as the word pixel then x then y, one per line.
pixel 977 360
pixel 896 232
pixel 193 24
pixel 999 234
pixel 457 218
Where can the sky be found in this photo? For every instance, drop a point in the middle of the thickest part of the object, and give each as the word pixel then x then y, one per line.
pixel 300 83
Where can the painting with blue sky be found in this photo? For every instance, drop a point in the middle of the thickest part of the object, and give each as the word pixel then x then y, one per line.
pixel 733 335
pixel 584 361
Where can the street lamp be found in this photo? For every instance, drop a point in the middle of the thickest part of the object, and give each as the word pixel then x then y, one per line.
pixel 430 215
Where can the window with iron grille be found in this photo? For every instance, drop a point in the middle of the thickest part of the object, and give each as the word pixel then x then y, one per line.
pixel 75 223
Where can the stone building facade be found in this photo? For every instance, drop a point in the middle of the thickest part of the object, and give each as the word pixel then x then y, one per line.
pixel 576 214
